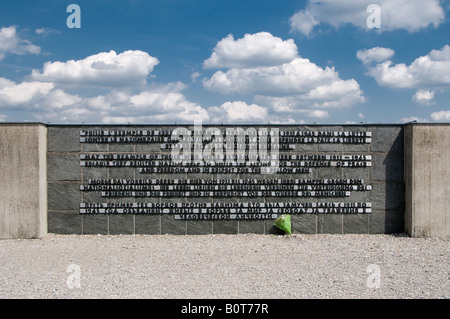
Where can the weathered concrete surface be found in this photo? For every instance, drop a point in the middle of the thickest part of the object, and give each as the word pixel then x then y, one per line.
pixel 427 180
pixel 65 175
pixel 23 181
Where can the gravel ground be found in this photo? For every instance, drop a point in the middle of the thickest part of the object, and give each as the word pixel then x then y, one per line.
pixel 225 266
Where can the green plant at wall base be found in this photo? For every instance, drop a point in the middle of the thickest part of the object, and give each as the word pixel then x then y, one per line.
pixel 284 223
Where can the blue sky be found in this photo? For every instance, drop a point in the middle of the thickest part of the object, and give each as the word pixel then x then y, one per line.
pixel 176 61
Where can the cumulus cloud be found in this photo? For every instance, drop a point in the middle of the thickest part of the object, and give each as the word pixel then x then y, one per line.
pixel 298 75
pixel 12 94
pixel 238 111
pixel 411 15
pixel 413 119
pixel 46 102
pixel 376 54
pixel 286 121
pixel 303 21
pixel 259 49
pixel 167 104
pixel 298 106
pixel 398 76
pixel 441 116
pixel 423 97
pixel 160 104
pixel 195 76
pixel 45 31
pixel 292 85
pixel 46 96
pixel 105 68
pixel 11 43
pixel 431 70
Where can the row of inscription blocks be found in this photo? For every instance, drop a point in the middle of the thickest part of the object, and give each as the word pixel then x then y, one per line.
pixel 67 139
pixel 67 196
pixel 65 176
pixel 73 223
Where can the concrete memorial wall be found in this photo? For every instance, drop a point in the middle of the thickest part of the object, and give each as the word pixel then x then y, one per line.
pixel 128 179
pixel 223 179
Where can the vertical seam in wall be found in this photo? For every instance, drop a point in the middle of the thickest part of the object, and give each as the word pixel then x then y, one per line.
pixel 44 146
pixel 81 183
pixel 134 199
pixel 46 173
pixel 315 199
pixel 82 224
pixel 369 179
pixel 108 151
pixel 342 176
pixel 430 193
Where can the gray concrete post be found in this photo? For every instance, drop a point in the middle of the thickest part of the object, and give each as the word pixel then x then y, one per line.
pixel 427 180
pixel 23 180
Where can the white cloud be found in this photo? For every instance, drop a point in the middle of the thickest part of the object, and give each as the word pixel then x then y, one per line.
pixel 45 95
pixel 411 15
pixel 48 103
pixel 298 76
pixel 424 97
pixel 154 104
pixel 239 111
pixel 297 106
pixel 397 76
pixel 45 31
pixel 286 121
pixel 259 49
pixel 12 94
pixel 168 106
pixel 303 21
pixel 431 70
pixel 441 116
pixel 195 76
pixel 337 95
pixel 413 119
pixel 296 88
pixel 105 68
pixel 376 54
pixel 318 114
pixel 10 42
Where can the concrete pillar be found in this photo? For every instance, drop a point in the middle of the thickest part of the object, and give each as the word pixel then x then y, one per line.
pixel 23 180
pixel 427 180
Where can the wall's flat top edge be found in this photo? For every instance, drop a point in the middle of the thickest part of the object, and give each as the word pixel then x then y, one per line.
pixel 22 124
pixel 217 124
pixel 428 124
